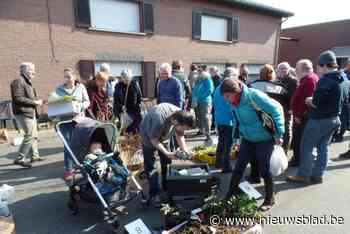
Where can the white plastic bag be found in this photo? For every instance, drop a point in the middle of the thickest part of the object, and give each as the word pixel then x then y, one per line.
pixel 125 120
pixel 278 161
pixel 6 191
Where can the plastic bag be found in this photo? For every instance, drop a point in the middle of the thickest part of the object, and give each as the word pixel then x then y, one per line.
pixel 278 161
pixel 125 120
pixel 6 191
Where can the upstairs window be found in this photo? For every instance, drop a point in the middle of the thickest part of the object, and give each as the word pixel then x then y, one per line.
pixel 117 16
pixel 214 26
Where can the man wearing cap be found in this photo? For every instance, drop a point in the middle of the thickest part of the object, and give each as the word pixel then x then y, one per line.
pixel 326 104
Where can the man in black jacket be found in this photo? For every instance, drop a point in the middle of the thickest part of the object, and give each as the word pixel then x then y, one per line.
pixel 25 103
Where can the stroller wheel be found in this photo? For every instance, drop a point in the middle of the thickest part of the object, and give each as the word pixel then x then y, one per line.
pixel 73 206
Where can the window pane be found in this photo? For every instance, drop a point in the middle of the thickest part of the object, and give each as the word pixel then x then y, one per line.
pixel 214 28
pixel 115 15
pixel 117 67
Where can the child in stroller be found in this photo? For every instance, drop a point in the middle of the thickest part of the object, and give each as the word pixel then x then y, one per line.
pixel 106 171
pixel 99 172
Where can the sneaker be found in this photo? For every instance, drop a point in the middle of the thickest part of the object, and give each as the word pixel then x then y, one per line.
pixel 22 163
pixel 345 155
pixel 37 159
pixel 68 175
pixel 298 179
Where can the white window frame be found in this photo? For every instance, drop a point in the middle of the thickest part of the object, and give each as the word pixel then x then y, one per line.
pixel 98 26
pixel 208 17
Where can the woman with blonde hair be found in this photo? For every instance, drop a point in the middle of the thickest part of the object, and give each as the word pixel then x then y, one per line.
pixel 72 87
pixel 98 108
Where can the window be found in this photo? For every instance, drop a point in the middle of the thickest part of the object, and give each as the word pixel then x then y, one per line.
pixel 115 16
pixel 254 71
pixel 117 67
pixel 214 28
pixel 118 16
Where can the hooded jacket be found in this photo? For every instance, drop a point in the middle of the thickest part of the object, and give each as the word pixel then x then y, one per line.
pixel 331 93
pixel 203 89
pixel 222 110
pixel 250 126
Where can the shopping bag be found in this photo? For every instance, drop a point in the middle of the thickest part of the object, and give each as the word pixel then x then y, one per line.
pixel 278 161
pixel 125 120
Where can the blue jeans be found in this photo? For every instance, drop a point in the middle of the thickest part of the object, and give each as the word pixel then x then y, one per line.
pixel 224 148
pixel 67 131
pixel 151 169
pixel 317 133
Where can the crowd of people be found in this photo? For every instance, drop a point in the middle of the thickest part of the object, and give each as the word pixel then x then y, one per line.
pixel 298 109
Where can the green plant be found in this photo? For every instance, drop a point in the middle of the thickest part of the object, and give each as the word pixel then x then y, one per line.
pixel 242 206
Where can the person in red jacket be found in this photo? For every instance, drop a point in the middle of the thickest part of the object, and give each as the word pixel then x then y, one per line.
pixel 307 85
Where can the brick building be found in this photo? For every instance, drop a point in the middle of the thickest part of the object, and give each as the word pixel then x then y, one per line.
pixel 310 40
pixel 136 34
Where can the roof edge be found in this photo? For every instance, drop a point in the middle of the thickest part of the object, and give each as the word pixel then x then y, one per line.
pixel 255 6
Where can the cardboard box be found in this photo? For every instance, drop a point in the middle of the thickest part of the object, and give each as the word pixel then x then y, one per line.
pixel 58 109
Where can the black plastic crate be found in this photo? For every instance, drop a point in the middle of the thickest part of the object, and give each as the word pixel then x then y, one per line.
pixel 178 185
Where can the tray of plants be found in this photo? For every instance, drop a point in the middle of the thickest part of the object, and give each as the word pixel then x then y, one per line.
pixel 189 180
pixel 207 154
pixel 235 209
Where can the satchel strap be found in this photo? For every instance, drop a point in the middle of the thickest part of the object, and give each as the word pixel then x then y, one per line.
pixel 126 95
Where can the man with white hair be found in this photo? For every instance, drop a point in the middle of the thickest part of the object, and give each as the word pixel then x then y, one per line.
pixel 307 85
pixel 25 103
pixel 225 123
pixel 169 89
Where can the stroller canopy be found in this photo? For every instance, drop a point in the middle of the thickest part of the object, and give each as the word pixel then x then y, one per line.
pixel 89 130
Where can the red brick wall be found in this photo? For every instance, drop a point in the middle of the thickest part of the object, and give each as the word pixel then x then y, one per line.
pixel 312 40
pixel 25 37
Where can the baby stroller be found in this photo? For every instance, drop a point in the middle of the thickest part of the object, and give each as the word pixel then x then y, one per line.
pixel 87 184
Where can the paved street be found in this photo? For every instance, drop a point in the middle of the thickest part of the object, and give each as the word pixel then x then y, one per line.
pixel 39 203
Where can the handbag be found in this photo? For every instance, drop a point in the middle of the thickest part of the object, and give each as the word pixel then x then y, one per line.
pixel 125 118
pixel 266 119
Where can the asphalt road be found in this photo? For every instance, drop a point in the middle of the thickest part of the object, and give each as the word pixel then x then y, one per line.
pixel 39 203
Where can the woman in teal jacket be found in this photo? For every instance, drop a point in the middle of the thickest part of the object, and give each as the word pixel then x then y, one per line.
pixel 202 102
pixel 255 139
